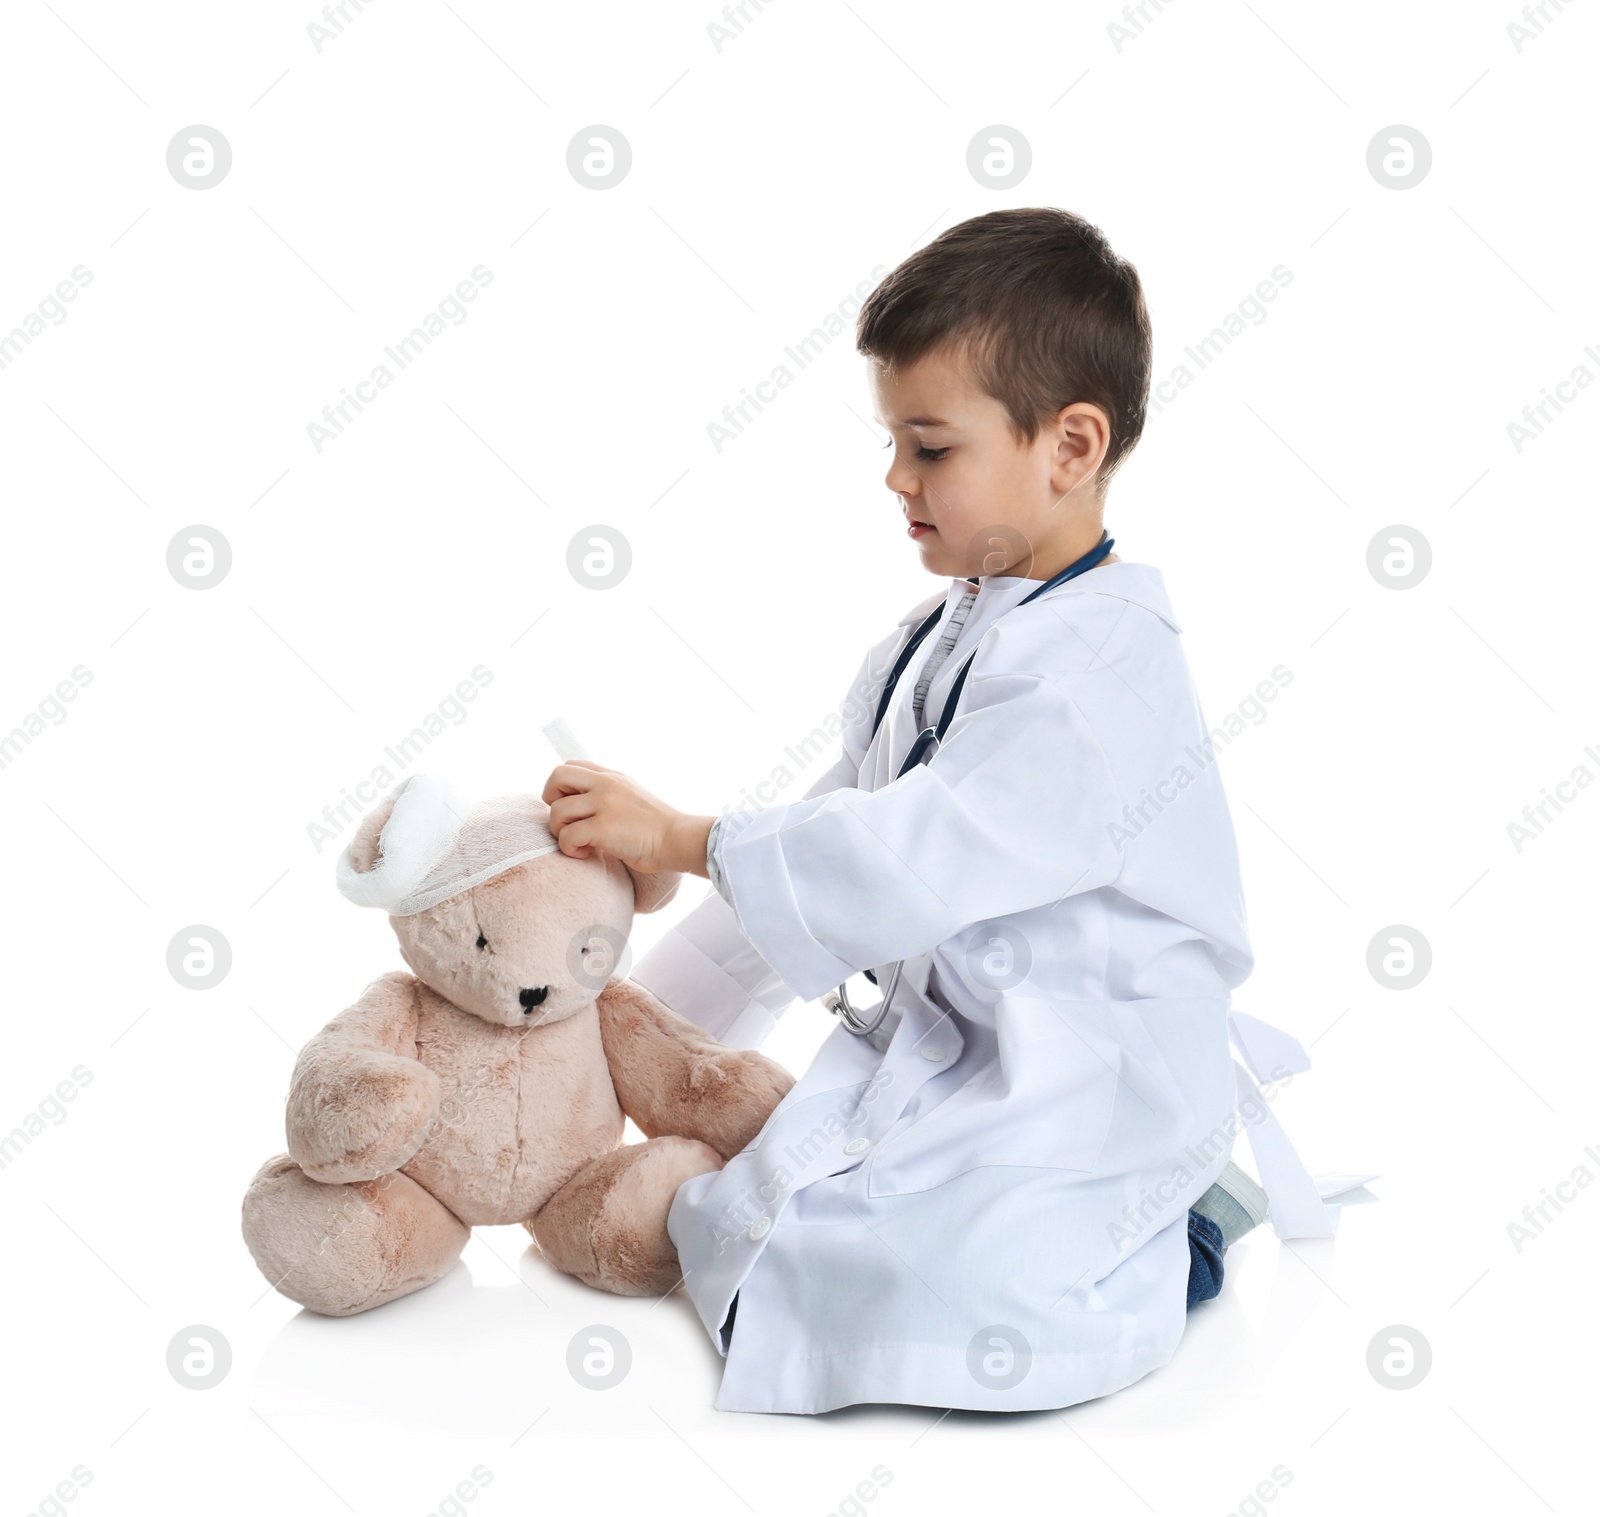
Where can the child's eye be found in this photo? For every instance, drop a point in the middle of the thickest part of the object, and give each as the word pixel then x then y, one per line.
pixel 927 455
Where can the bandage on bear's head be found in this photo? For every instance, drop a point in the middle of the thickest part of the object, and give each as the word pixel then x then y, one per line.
pixel 488 911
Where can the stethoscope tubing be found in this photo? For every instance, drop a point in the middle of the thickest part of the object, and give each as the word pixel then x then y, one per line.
pixel 923 746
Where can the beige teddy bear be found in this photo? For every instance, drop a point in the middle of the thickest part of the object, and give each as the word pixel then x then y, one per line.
pixel 490 1084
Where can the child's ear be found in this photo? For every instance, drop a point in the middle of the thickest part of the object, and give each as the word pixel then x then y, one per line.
pixel 652 891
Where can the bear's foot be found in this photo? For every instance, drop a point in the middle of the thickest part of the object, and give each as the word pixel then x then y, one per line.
pixel 341 1249
pixel 608 1224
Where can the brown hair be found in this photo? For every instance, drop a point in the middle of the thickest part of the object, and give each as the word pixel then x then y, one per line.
pixel 1041 310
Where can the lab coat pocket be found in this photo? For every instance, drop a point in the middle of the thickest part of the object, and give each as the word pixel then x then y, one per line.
pixel 1041 1103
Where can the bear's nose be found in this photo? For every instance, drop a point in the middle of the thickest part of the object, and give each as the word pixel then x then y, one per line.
pixel 532 998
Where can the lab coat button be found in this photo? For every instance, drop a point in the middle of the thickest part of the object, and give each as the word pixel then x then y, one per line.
pixel 855 1145
pixel 931 1053
pixel 760 1228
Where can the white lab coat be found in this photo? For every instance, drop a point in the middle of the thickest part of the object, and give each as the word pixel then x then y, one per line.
pixel 989 1212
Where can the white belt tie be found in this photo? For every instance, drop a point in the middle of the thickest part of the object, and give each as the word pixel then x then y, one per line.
pixel 1299 1205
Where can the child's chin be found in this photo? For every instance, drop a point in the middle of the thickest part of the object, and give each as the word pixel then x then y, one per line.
pixel 935 559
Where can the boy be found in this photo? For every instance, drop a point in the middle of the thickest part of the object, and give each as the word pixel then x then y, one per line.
pixel 1006 1196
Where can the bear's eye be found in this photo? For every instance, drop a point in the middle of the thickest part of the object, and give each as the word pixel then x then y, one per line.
pixel 483 942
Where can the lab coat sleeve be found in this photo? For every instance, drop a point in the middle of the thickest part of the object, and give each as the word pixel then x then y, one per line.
pixel 1018 808
pixel 704 967
pixel 709 973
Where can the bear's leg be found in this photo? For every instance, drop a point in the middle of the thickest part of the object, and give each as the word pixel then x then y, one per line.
pixel 608 1224
pixel 340 1249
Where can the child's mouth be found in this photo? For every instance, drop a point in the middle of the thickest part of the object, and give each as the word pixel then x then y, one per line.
pixel 918 529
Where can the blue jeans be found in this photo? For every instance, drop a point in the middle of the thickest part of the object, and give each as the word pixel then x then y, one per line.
pixel 1205 1259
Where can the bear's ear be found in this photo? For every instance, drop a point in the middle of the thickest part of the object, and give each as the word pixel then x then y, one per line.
pixel 364 845
pixel 652 891
pixel 399 842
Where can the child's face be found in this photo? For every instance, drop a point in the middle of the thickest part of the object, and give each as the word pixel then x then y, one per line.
pixel 978 503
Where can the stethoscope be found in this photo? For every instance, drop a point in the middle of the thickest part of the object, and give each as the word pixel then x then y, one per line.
pixel 926 744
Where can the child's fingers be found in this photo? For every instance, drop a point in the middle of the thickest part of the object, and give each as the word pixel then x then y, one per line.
pixel 567 809
pixel 575 839
pixel 570 778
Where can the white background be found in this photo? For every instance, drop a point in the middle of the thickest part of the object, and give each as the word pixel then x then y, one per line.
pixel 769 178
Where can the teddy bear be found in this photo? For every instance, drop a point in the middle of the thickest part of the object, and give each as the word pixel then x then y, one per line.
pixel 489 1085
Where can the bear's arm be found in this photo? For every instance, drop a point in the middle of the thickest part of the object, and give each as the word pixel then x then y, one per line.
pixel 673 1079
pixel 360 1105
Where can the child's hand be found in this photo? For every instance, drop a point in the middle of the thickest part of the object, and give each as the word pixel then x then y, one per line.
pixel 593 807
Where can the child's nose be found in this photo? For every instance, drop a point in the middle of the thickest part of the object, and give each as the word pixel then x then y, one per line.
pixel 902 481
